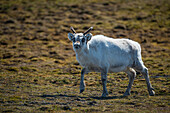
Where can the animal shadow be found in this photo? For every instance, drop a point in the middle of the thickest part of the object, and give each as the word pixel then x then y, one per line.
pixel 82 97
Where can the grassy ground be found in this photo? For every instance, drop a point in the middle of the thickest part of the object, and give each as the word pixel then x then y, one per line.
pixel 38 68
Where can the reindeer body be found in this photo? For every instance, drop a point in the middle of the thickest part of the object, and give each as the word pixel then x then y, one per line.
pixel 114 54
pixel 103 54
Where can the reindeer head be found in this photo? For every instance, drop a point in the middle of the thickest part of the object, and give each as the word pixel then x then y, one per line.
pixel 79 39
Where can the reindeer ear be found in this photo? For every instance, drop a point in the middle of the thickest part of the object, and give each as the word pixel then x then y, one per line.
pixel 70 36
pixel 88 36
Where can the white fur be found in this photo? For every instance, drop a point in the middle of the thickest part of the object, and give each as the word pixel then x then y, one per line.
pixel 104 54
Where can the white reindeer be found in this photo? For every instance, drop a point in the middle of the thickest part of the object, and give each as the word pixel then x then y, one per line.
pixel 103 54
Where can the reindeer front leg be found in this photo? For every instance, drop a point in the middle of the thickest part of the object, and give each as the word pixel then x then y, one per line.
pixel 104 82
pixel 82 83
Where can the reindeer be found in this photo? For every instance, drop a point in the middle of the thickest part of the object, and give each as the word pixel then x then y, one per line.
pixel 106 55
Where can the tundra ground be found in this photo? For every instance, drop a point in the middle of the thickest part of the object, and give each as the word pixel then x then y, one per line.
pixel 38 68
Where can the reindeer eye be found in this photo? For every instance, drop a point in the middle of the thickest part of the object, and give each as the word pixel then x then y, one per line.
pixel 83 39
pixel 73 39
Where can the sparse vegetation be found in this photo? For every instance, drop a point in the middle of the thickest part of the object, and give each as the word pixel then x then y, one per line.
pixel 38 68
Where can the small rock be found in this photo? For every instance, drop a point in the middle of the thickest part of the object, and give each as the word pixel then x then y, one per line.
pixel 40 23
pixel 78 99
pixel 56 61
pixel 79 105
pixel 43 108
pixel 3 43
pixel 66 108
pixel 105 4
pixel 161 69
pixel 26 38
pixel 92 103
pixel 9 22
pixel 35 80
pixel 7 55
pixel 144 41
pixel 120 27
pixel 125 18
pixel 52 52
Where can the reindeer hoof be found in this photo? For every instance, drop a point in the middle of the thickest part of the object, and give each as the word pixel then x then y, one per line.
pixel 126 94
pixel 151 93
pixel 104 95
pixel 81 90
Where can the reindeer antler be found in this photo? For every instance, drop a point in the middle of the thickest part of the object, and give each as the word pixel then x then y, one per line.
pixel 88 30
pixel 73 30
